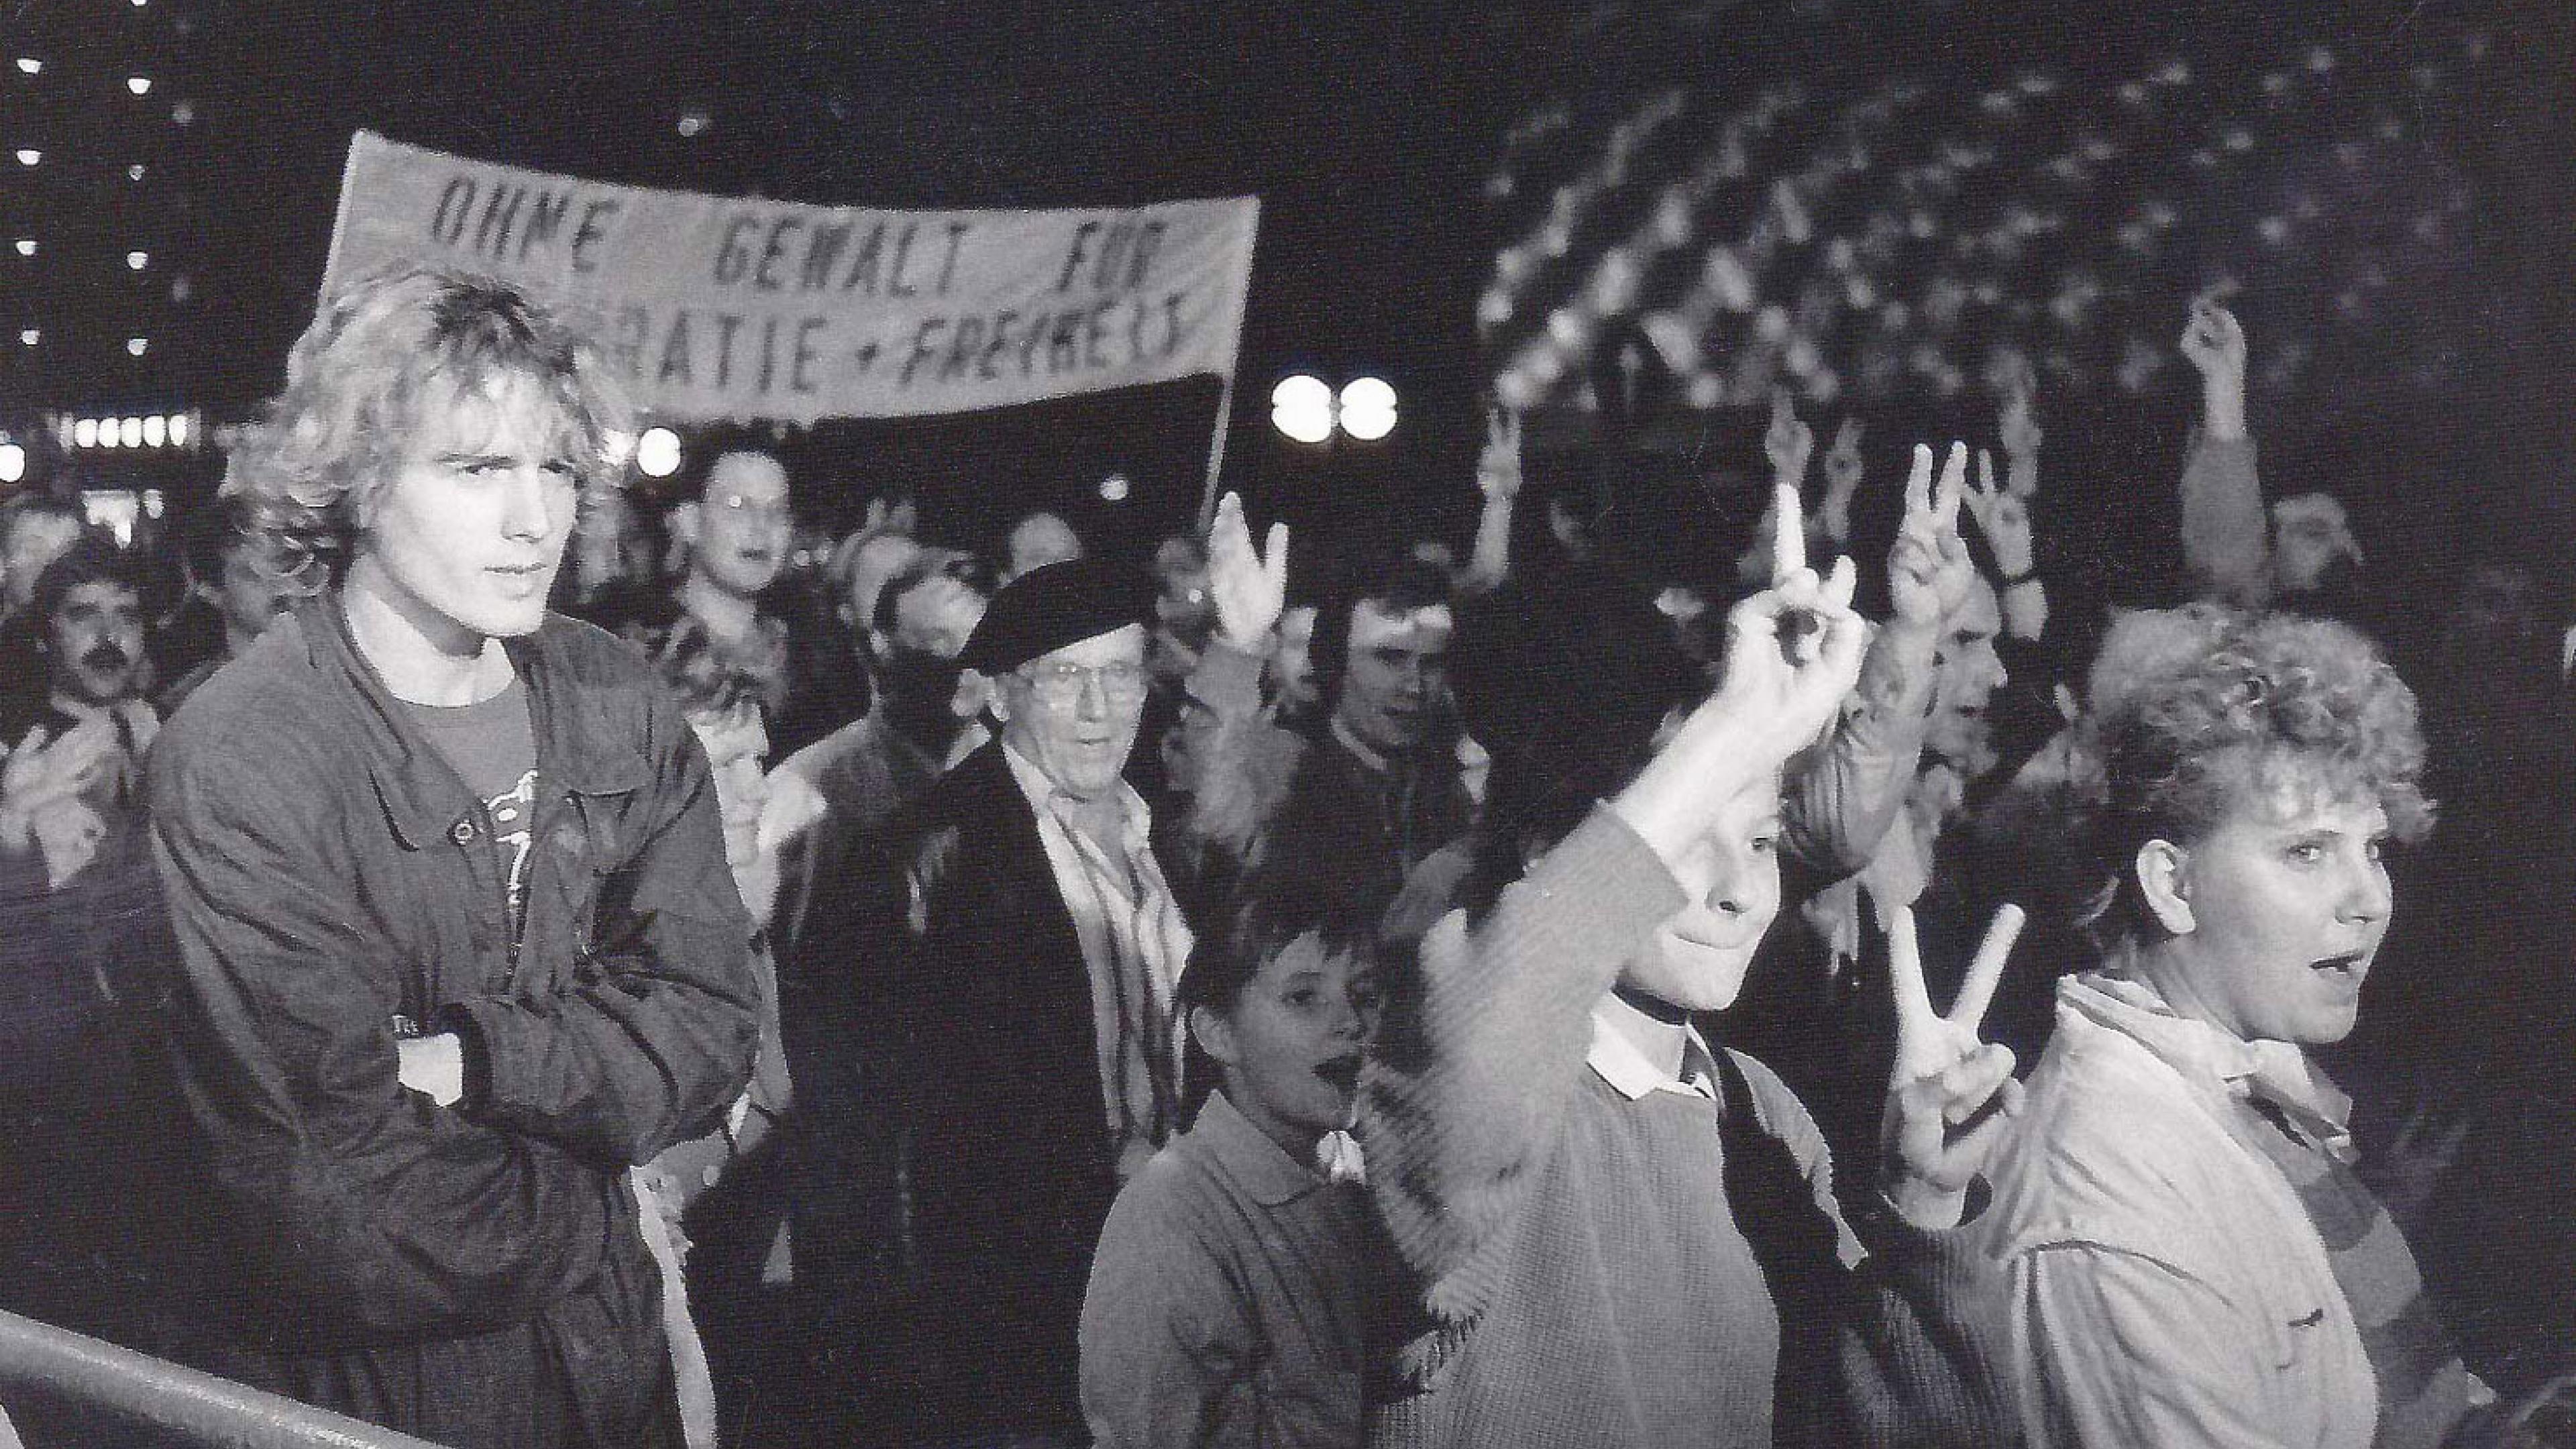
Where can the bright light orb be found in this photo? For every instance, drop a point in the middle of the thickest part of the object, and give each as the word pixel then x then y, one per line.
pixel 657 453
pixel 137 346
pixel 180 429
pixel 156 431
pixel 1302 407
pixel 1368 408
pixel 137 261
pixel 140 85
pixel 1114 488
pixel 13 463
pixel 85 433
pixel 130 432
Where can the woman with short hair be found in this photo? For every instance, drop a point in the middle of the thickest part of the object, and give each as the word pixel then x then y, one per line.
pixel 2192 1259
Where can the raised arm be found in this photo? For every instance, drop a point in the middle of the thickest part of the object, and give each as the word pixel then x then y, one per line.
pixel 1238 784
pixel 1839 800
pixel 1485 1032
pixel 1498 477
pixel 2226 537
pixel 2005 515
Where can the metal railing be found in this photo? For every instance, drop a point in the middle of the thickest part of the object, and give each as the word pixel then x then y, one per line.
pixel 48 1366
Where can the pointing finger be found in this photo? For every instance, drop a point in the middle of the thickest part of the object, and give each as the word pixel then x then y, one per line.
pixel 1274 558
pixel 1987 968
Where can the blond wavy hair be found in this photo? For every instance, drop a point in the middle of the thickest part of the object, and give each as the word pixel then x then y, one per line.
pixel 357 381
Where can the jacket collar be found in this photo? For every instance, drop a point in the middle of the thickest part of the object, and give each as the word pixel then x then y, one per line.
pixel 421 794
pixel 1262 1166
pixel 2276 1073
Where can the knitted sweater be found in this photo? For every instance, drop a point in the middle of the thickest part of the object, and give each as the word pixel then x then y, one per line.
pixel 1598 1271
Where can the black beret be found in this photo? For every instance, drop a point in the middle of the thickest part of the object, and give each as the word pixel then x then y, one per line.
pixel 1057 604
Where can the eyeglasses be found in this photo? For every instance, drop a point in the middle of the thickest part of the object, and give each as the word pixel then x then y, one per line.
pixel 1061 684
pixel 763 511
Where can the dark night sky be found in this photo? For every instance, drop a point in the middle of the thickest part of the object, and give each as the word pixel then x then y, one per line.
pixel 1367 126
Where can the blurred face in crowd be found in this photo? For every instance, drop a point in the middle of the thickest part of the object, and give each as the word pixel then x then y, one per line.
pixel 28 542
pixel 1042 539
pixel 1074 712
pixel 1696 959
pixel 2311 533
pixel 464 540
pixel 736 742
pixel 880 559
pixel 2498 608
pixel 247 599
pixel 1395 674
pixel 744 524
pixel 604 545
pixel 1290 1047
pixel 1185 745
pixel 1182 603
pixel 1967 672
pixel 2276 913
pixel 917 662
pixel 95 642
pixel 1292 664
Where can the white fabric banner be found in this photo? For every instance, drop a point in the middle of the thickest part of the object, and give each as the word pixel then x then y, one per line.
pixel 718 307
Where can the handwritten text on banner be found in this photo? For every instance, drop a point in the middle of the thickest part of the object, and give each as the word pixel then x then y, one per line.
pixel 720 307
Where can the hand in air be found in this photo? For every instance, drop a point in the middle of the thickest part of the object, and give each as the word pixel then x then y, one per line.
pixel 1498 467
pixel 1250 588
pixel 1788 442
pixel 1929 572
pixel 2215 342
pixel 1842 482
pixel 2003 515
pixel 1951 1094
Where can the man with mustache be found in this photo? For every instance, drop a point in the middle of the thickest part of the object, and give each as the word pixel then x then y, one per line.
pixel 70 790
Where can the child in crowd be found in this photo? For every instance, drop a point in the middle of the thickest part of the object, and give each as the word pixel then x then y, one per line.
pixel 1232 1297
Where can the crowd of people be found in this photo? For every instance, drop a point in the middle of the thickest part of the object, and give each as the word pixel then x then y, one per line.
pixel 475 968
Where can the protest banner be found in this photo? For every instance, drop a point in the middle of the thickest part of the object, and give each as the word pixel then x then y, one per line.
pixel 720 307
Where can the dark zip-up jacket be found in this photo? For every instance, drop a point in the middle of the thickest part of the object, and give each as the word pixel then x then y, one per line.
pixel 331 879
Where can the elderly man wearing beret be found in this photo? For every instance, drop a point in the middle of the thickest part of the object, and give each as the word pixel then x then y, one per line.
pixel 1009 970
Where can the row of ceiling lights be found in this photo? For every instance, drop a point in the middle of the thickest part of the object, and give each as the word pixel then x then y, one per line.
pixel 156 430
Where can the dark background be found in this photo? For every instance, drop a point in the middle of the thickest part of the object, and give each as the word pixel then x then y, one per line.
pixel 1371 131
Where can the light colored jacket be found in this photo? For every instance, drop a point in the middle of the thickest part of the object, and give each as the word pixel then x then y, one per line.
pixel 2168 1287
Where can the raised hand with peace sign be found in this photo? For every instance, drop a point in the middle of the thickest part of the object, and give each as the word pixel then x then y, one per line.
pixel 1951 1093
pixel 2002 512
pixel 1788 442
pixel 1928 570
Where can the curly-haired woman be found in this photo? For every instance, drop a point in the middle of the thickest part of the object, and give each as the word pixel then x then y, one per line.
pixel 2192 1259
